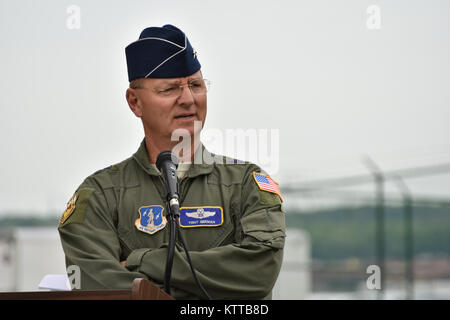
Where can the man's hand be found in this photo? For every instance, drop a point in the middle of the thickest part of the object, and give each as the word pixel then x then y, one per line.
pixel 123 263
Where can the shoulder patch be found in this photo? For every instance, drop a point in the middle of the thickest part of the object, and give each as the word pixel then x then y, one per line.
pixel 76 207
pixel 69 208
pixel 266 183
pixel 151 219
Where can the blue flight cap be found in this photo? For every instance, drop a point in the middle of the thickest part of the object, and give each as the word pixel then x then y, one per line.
pixel 161 53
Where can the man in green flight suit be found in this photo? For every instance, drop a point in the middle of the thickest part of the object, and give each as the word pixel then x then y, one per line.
pixel 114 227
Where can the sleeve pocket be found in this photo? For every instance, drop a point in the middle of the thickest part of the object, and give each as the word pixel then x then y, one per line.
pixel 266 226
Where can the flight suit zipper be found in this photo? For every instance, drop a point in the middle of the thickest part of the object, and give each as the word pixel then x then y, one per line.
pixel 182 189
pixel 180 194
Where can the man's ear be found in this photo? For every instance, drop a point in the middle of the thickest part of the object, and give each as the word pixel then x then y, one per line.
pixel 133 102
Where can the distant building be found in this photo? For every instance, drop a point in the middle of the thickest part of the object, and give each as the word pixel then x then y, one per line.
pixel 295 279
pixel 27 254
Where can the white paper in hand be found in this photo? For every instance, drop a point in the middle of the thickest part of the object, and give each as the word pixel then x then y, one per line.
pixel 55 282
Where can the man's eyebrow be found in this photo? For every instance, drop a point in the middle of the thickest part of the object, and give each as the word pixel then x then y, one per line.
pixel 169 82
pixel 177 81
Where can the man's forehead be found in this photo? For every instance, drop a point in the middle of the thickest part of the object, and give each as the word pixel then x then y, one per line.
pixel 196 75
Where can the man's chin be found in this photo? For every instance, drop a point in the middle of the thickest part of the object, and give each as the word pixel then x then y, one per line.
pixel 183 128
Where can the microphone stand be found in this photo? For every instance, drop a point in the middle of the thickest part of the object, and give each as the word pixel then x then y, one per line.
pixel 172 216
pixel 167 164
pixel 173 213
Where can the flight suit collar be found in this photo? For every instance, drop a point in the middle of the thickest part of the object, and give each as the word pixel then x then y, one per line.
pixel 194 170
pixel 197 169
pixel 141 158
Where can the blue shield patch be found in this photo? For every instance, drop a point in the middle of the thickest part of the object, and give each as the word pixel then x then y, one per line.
pixel 201 217
pixel 151 219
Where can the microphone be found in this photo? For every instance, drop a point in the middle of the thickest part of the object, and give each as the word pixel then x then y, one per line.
pixel 167 164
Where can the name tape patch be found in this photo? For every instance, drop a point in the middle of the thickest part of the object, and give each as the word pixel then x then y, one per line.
pixel 200 217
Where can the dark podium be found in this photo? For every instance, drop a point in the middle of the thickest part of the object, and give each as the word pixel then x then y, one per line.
pixel 142 289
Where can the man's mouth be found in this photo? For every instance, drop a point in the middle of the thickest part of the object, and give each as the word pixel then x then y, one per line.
pixel 186 116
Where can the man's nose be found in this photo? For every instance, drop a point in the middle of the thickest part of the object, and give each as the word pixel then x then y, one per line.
pixel 186 97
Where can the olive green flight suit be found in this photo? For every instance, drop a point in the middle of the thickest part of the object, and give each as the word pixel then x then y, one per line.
pixel 240 259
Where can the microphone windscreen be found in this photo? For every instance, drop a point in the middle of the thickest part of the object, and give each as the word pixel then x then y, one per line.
pixel 166 156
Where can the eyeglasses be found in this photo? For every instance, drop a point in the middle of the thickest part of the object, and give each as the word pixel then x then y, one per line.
pixel 197 87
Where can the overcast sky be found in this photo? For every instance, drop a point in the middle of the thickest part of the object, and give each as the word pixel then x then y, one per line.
pixel 332 79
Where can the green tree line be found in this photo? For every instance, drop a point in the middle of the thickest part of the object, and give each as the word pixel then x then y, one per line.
pixel 350 232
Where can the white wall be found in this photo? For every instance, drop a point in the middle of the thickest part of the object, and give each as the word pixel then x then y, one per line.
pixel 38 252
pixel 7 273
pixel 294 281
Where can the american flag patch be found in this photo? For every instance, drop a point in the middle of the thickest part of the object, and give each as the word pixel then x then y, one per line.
pixel 266 183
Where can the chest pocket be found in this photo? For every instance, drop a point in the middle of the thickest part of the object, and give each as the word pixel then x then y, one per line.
pixel 207 215
pixel 203 236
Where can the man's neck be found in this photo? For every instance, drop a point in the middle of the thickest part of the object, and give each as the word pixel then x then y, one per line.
pixel 156 146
